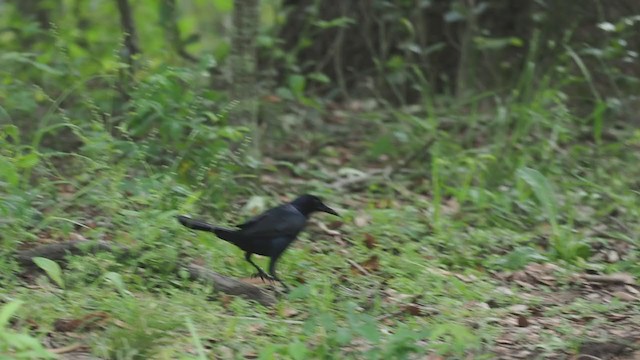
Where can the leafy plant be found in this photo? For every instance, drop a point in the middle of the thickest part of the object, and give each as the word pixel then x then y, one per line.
pixel 52 269
pixel 16 345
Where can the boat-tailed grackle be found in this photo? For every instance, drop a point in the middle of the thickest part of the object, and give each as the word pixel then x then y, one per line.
pixel 268 234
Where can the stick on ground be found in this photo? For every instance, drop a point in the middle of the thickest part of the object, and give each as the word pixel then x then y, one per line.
pixel 59 251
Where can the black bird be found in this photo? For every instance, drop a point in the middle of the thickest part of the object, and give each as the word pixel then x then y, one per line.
pixel 268 234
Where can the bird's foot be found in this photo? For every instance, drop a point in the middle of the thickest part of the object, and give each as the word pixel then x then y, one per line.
pixel 285 288
pixel 264 276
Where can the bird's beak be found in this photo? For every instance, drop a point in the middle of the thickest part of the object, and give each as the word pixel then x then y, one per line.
pixel 328 210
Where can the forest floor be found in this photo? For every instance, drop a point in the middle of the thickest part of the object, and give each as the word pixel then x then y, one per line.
pixel 406 272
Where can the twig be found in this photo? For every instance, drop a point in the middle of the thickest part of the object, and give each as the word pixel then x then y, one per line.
pixel 66 349
pixel 358 267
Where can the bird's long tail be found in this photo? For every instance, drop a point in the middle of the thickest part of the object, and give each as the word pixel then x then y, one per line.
pixel 194 224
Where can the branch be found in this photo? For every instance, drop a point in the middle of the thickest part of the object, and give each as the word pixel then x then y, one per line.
pixel 227 285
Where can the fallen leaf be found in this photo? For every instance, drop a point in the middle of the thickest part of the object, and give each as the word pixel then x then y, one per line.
pixel 613 256
pixel 616 278
pixel 518 309
pixel 67 349
pixel 250 355
pixel 256 328
pixel 523 354
pixel 369 241
pixel 87 322
pixel 121 324
pixel 290 312
pixel 326 230
pixel 372 264
pixel 450 207
pixel 624 296
pixel 412 309
pixel 362 220
pixel 631 289
pixel 336 224
pixel 522 321
pixel 225 300
pixel 272 98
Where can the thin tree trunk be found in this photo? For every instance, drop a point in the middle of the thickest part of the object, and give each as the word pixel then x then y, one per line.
pixel 168 21
pixel 127 52
pixel 131 48
pixel 243 65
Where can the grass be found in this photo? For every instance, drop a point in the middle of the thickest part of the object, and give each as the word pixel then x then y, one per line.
pixel 439 240
pixel 451 241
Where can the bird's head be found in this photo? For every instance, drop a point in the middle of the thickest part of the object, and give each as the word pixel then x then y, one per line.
pixel 308 204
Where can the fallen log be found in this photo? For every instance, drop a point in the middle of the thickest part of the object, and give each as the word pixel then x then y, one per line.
pixel 227 285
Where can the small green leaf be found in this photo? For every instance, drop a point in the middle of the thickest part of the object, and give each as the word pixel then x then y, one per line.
pixel 369 330
pixel 298 350
pixel 52 269
pixel 13 132
pixel 319 77
pixel 544 192
pixel 297 83
pixel 8 311
pixel 28 161
pixel 337 22
pixel 9 172
pixel 223 5
pixel 196 339
pixel 116 280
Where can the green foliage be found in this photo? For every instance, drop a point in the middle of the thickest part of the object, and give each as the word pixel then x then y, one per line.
pixel 489 137
pixel 15 345
pixel 52 269
pixel 544 193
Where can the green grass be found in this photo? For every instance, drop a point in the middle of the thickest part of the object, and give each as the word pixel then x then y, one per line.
pixel 437 259
pixel 508 180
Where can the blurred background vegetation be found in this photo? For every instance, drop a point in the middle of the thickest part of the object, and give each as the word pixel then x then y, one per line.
pixel 468 135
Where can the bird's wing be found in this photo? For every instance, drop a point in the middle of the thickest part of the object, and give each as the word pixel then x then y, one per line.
pixel 284 220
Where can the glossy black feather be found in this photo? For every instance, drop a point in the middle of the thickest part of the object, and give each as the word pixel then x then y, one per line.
pixel 269 233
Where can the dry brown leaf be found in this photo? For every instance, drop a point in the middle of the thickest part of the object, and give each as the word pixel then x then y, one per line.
pixel 290 312
pixel 434 357
pixel 522 321
pixel 412 309
pixel 617 278
pixel 613 256
pixel 632 290
pixel 255 328
pixel 362 220
pixel 121 324
pixel 254 280
pixel 326 230
pixel 451 207
pixel 67 349
pixel 250 355
pixel 272 98
pixel 624 296
pixel 466 278
pixel 87 322
pixel 372 264
pixel 225 300
pixel 369 241
pixel 518 309
pixel 617 317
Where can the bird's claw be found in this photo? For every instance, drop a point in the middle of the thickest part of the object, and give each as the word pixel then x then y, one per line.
pixel 263 276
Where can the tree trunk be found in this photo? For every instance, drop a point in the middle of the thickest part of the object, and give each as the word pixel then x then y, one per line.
pixel 246 16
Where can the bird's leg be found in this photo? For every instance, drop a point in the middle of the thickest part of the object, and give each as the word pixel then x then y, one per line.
pixel 261 274
pixel 272 273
